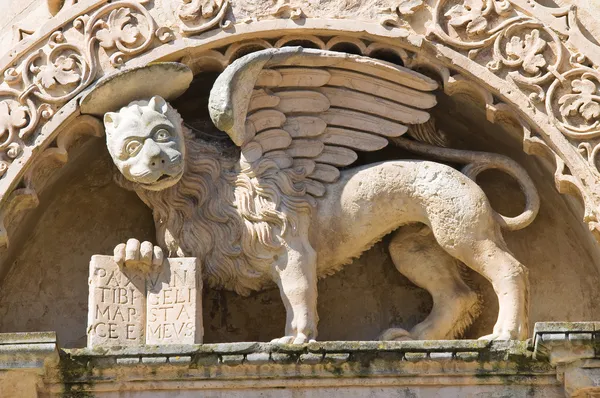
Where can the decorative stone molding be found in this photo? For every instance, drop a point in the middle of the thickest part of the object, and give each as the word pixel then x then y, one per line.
pixel 405 365
pixel 572 347
pixel 564 363
pixel 561 358
pixel 25 359
pixel 540 50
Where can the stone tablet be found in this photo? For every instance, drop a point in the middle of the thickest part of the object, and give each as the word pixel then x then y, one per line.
pixel 174 305
pixel 116 313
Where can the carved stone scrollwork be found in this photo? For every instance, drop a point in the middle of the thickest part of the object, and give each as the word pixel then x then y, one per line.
pixel 471 24
pixel 17 119
pixel 62 68
pixel 539 50
pixel 529 50
pixel 574 103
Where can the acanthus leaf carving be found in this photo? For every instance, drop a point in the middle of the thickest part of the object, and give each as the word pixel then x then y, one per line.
pixel 198 16
pixel 583 101
pixel 118 29
pixel 62 72
pixel 527 51
pixel 471 14
pixel 573 103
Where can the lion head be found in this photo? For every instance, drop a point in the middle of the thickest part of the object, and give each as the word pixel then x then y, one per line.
pixel 146 142
pixel 204 205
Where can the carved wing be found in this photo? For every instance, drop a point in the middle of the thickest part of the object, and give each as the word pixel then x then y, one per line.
pixel 313 109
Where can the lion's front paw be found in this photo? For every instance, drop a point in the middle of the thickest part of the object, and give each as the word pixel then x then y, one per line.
pixel 396 334
pixel 300 338
pixel 144 255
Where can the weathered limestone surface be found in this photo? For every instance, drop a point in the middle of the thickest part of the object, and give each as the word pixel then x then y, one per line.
pixel 24 361
pixel 529 64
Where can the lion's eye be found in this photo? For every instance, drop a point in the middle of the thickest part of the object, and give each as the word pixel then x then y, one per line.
pixel 133 147
pixel 162 135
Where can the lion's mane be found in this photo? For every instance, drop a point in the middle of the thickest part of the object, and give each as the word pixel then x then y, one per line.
pixel 231 215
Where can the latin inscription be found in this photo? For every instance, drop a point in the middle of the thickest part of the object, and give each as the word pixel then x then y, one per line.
pixel 174 304
pixel 128 307
pixel 117 305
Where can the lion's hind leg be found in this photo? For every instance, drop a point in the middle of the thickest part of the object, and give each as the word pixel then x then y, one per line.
pixel 482 249
pixel 510 281
pixel 417 255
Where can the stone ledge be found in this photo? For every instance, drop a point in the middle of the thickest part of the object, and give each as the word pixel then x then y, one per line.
pixel 560 355
pixel 317 352
pixel 251 366
pixel 28 350
pixel 566 342
pixel 322 360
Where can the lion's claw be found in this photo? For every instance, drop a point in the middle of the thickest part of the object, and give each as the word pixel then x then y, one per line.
pixel 142 255
pixel 298 339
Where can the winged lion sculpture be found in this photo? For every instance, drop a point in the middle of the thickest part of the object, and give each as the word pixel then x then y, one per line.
pixel 289 207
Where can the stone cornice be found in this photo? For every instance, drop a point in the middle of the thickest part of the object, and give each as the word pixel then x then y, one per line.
pixel 560 353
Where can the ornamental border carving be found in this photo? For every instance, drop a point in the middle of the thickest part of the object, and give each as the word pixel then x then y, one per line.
pixel 526 62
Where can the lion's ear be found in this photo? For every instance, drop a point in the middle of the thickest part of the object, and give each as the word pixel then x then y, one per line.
pixel 111 121
pixel 158 104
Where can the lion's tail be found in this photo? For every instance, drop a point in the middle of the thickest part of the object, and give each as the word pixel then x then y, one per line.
pixel 477 162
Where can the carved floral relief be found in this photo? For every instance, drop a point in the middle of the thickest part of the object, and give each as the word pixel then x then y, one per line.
pixel 62 68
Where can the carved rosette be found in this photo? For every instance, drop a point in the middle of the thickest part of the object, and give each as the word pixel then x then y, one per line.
pixel 573 103
pixel 531 52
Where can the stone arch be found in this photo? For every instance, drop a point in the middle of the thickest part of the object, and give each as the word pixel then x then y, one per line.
pixel 45 75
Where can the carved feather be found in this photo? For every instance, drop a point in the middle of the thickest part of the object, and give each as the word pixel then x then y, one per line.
pixel 266 119
pixel 282 159
pixel 262 99
pixel 370 104
pixel 305 148
pixel 353 139
pixel 315 188
pixel 273 139
pixel 305 101
pixel 337 156
pixel 268 78
pixel 364 122
pixel 381 88
pixel 304 126
pixel 310 110
pixel 303 77
pixel 325 173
